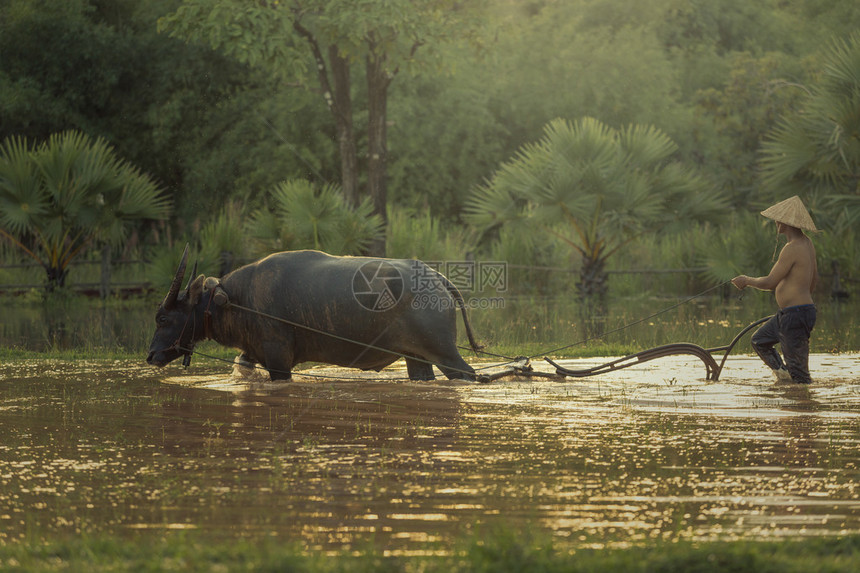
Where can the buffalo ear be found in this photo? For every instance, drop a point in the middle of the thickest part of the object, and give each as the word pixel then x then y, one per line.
pixel 195 289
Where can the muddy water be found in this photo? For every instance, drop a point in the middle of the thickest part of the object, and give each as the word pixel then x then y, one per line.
pixel 654 451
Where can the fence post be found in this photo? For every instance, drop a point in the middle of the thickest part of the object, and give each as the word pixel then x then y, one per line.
pixel 104 287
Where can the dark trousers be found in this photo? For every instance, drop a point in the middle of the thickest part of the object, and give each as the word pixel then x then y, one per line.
pixel 790 327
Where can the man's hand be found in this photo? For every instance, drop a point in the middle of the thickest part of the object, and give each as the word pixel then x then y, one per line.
pixel 741 281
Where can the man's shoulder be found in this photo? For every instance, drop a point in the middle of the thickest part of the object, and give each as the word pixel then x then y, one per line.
pixel 798 248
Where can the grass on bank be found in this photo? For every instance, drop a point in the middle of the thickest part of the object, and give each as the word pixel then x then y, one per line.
pixel 75 328
pixel 500 552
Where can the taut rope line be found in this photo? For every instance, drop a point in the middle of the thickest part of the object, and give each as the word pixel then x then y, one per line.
pixel 634 323
pixel 296 372
pixel 335 336
pixel 510 360
pixel 605 334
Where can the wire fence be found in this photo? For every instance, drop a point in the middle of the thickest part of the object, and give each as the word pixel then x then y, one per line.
pixel 107 277
pixel 101 277
pixel 92 278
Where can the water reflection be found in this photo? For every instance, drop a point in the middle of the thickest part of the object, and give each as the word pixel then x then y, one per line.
pixel 75 323
pixel 70 324
pixel 119 448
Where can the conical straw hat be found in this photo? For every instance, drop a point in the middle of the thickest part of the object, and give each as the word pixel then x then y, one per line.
pixel 791 212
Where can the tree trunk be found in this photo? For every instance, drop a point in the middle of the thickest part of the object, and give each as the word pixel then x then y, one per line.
pixel 56 278
pixel 593 287
pixel 378 81
pixel 104 284
pixel 339 101
pixel 593 279
pixel 342 111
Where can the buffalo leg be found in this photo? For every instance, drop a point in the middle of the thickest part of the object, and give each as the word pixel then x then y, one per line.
pixel 458 372
pixel 280 374
pixel 454 367
pixel 446 357
pixel 279 362
pixel 419 370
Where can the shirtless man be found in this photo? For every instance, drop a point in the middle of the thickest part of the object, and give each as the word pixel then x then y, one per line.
pixel 792 278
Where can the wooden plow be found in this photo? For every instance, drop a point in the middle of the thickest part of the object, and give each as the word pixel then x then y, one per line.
pixel 522 367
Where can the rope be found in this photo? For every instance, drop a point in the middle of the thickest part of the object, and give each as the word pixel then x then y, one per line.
pixel 298 373
pixel 634 323
pixel 509 359
pixel 338 337
pixel 493 354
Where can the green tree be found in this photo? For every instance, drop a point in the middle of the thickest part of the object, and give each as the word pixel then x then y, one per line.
pixel 323 39
pixel 823 19
pixel 736 117
pixel 178 111
pixel 68 193
pixel 815 152
pixel 59 67
pixel 223 244
pixel 581 58
pixel 302 216
pixel 444 139
pixel 596 189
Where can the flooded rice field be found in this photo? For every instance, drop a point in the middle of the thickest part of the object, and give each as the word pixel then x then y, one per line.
pixel 651 452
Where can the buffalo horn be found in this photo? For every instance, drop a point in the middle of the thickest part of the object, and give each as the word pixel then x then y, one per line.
pixel 170 299
pixel 192 276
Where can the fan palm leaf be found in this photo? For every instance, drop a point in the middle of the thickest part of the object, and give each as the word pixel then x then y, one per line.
pixel 320 219
pixel 356 231
pixel 815 152
pixel 21 199
pixel 68 193
pixel 593 187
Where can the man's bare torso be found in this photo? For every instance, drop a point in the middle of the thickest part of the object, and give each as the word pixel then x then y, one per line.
pixel 794 275
pixel 796 286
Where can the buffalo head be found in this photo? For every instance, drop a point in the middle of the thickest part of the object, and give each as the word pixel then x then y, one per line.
pixel 177 327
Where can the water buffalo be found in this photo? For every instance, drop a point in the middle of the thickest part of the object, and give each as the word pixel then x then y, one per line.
pixel 308 306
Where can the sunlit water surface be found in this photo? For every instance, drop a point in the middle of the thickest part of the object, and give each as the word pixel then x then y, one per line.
pixel 651 452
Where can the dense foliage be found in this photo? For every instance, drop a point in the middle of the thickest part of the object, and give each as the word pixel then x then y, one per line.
pixel 595 188
pixel 224 125
pixel 70 193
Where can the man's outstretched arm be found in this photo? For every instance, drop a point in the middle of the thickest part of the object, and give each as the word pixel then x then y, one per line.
pixel 777 273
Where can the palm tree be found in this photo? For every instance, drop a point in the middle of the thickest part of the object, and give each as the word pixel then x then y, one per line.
pixel 815 152
pixel 301 216
pixel 64 195
pixel 596 189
